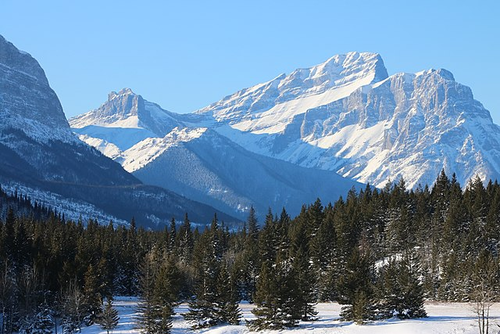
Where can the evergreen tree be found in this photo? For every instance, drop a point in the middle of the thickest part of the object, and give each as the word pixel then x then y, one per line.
pixel 251 257
pixel 148 310
pixel 402 292
pixel 206 309
pixel 108 318
pixel 185 242
pixel 355 289
pixel 92 297
pixel 227 301
pixel 277 286
pixel 305 277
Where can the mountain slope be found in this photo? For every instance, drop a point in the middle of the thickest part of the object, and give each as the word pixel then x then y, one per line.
pixel 203 165
pixel 372 129
pixel 267 108
pixel 39 153
pixel 207 167
pixel 344 116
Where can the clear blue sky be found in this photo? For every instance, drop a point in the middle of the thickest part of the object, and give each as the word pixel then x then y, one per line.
pixel 185 54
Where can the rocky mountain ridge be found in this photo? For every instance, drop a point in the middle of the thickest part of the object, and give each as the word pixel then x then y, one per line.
pixel 347 116
pixel 41 157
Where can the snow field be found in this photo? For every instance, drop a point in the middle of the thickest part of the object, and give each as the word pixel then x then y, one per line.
pixel 444 318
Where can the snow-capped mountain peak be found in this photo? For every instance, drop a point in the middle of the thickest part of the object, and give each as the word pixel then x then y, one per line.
pixel 126 109
pixel 344 116
pixel 122 121
pixel 124 92
pixel 267 108
pixel 122 109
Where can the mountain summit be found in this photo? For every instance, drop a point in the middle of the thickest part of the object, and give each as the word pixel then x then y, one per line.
pixel 268 107
pixel 346 116
pixel 357 121
pixel 126 109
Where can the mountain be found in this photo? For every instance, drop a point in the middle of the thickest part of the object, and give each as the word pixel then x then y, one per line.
pixel 41 157
pixel 347 115
pixel 207 167
pixel 304 135
pixel 198 162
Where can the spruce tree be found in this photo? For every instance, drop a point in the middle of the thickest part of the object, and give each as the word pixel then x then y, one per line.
pixel 227 303
pixel 251 256
pixel 355 289
pixel 91 293
pixel 266 301
pixel 302 268
pixel 401 292
pixel 108 319
pixel 148 310
pixel 204 310
pixel 277 286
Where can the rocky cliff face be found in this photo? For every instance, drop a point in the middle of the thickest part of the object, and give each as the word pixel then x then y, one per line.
pixel 27 102
pixel 367 126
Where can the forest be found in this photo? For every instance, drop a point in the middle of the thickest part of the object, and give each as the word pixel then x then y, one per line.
pixel 380 253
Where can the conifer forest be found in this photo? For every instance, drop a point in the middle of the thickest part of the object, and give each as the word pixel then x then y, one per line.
pixel 380 253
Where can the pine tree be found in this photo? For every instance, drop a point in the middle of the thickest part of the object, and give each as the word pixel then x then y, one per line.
pixel 227 301
pixel 247 261
pixel 185 242
pixel 147 307
pixel 277 292
pixel 356 289
pixel 91 293
pixel 108 319
pixel 402 292
pixel 305 277
pixel 204 310
pixel 266 300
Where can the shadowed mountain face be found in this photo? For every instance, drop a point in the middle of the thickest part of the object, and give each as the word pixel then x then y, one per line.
pixel 200 163
pixel 40 154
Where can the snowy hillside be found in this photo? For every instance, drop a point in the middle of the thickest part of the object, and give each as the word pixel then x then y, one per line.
pixel 203 165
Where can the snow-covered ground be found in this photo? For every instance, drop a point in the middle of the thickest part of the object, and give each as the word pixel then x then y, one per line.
pixel 443 319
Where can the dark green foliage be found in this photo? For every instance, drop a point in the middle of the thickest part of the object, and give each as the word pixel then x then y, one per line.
pixel 279 301
pixel 401 293
pixel 274 298
pixel 355 288
pixel 216 299
pixel 160 284
pixel 92 297
pixel 378 252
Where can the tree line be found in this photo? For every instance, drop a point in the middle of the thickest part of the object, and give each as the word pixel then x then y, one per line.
pixel 378 252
